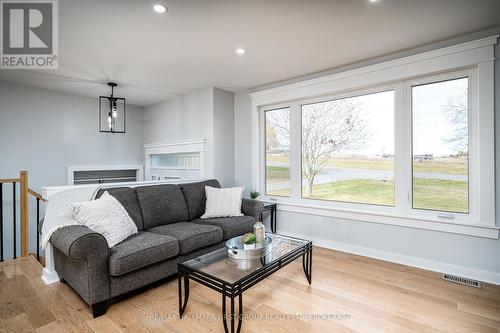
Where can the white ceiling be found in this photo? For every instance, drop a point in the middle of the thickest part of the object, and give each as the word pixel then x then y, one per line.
pixel 154 56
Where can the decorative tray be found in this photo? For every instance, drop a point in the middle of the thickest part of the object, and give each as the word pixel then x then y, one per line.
pixel 236 250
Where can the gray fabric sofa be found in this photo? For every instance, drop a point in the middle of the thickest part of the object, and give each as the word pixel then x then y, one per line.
pixel 170 231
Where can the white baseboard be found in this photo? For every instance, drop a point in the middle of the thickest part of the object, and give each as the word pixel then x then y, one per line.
pixel 436 266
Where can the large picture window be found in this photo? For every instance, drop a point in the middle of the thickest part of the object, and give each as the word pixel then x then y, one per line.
pixel 440 121
pixel 403 147
pixel 407 142
pixel 348 149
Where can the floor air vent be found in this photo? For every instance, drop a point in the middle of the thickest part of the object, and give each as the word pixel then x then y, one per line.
pixel 461 280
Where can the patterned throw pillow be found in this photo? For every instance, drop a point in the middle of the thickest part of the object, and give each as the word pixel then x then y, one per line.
pixel 223 202
pixel 107 217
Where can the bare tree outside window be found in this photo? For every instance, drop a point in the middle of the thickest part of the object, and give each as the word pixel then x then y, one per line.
pixel 328 128
pixel 347 150
pixel 457 113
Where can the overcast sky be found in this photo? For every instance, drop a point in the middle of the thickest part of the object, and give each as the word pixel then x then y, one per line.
pixel 431 126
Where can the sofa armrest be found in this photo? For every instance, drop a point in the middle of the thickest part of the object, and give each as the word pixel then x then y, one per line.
pixel 252 208
pixel 81 258
pixel 79 242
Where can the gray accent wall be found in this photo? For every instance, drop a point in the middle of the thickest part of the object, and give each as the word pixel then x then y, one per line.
pixel 43 132
pixel 407 245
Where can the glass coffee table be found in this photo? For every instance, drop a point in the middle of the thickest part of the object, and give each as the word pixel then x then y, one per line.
pixel 231 277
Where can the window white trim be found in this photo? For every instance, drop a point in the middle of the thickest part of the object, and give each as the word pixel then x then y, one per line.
pixel 461 228
pixel 475 59
pixel 175 147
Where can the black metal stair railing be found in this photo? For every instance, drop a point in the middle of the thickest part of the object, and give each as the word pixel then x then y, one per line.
pixel 14 221
pixel 37 232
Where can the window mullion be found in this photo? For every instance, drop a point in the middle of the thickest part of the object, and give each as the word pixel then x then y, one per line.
pixel 403 149
pixel 295 151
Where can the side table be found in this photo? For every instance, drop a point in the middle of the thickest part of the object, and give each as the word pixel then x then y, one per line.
pixel 271 207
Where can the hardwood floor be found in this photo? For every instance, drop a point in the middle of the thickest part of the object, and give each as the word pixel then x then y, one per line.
pixel 353 293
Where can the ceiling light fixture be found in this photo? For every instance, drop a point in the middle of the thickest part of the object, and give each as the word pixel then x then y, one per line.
pixel 112 112
pixel 241 51
pixel 160 8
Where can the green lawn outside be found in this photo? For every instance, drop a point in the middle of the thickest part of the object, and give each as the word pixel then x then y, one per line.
pixel 277 174
pixel 455 166
pixel 283 158
pixel 439 194
pixel 434 194
pixel 360 190
pixel 361 164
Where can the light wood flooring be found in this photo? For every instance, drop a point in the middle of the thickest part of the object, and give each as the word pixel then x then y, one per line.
pixel 364 294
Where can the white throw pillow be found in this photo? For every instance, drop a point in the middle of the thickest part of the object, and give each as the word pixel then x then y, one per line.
pixel 106 216
pixel 223 202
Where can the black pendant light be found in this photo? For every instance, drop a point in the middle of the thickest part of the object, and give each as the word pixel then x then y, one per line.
pixel 112 115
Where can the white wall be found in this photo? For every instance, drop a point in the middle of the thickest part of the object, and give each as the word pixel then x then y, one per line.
pixel 202 114
pixel 243 140
pixel 465 255
pixel 224 136
pixel 43 132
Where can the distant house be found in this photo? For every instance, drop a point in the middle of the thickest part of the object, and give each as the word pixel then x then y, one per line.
pixel 424 157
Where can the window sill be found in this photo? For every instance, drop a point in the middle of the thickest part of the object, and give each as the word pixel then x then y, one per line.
pixel 456 227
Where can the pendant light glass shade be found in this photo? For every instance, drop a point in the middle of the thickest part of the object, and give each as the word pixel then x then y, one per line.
pixel 112 113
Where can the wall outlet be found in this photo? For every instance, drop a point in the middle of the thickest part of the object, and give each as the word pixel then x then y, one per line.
pixel 317 221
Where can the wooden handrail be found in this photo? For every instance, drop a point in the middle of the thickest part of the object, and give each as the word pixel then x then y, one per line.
pixel 10 180
pixel 35 194
pixel 23 176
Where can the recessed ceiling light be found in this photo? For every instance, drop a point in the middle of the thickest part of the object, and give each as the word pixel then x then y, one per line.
pixel 241 51
pixel 373 0
pixel 160 8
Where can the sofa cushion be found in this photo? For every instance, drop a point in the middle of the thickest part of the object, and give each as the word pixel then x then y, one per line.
pixel 128 198
pixel 190 236
pixel 196 198
pixel 231 226
pixel 141 250
pixel 161 204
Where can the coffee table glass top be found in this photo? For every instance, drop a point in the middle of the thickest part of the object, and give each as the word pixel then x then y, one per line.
pixel 218 265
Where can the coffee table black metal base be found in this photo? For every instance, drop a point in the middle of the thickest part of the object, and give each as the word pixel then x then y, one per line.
pixel 235 290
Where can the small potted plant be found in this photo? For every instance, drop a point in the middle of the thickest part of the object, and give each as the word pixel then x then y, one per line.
pixel 254 195
pixel 249 241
